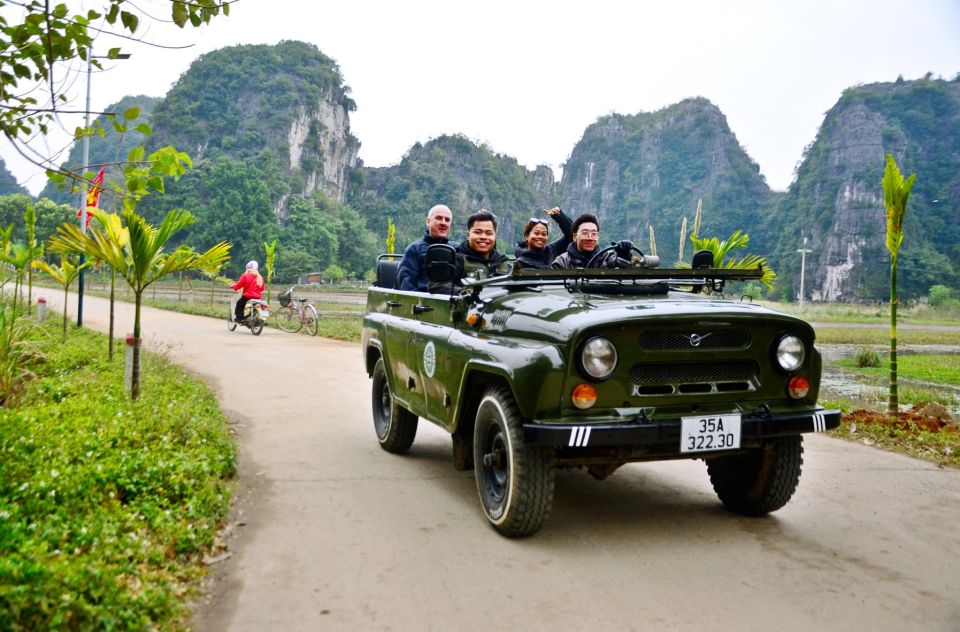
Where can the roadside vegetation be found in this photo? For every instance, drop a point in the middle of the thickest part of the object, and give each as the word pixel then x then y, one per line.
pixel 881 336
pixel 941 368
pixel 916 435
pixel 918 429
pixel 872 313
pixel 107 505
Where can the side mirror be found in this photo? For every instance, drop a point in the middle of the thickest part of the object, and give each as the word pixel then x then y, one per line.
pixel 702 259
pixel 441 263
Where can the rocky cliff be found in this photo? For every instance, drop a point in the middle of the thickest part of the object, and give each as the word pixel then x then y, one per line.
pixel 837 199
pixel 284 106
pixel 650 169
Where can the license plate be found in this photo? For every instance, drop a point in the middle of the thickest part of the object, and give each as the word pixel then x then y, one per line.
pixel 265 312
pixel 709 432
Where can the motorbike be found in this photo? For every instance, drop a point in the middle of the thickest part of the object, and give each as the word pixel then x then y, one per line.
pixel 256 313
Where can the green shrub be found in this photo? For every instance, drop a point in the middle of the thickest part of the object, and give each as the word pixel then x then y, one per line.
pixel 107 505
pixel 868 358
pixel 939 295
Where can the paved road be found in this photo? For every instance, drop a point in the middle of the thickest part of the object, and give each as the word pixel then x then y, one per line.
pixel 329 532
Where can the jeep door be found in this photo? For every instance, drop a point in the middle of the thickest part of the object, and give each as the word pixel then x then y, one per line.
pixel 440 364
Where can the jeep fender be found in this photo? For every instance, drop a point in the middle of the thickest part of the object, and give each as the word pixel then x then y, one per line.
pixel 533 373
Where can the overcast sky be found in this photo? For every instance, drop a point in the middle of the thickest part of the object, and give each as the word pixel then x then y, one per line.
pixel 527 77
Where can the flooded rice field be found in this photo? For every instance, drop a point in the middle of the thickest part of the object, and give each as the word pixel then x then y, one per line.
pixel 870 392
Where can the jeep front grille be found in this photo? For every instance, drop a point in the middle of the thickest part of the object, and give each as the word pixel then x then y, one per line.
pixel 701 377
pixel 677 340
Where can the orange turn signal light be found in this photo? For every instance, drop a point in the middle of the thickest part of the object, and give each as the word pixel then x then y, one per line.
pixel 584 396
pixel 473 319
pixel 798 387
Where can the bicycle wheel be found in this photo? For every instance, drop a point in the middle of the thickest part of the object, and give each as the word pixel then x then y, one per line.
pixel 288 319
pixel 310 319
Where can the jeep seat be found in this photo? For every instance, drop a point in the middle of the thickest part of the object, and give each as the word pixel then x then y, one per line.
pixel 388 266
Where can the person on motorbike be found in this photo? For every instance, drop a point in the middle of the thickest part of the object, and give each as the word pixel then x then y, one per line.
pixel 252 285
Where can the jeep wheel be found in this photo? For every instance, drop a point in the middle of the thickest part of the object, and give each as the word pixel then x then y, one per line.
pixel 760 481
pixel 515 480
pixel 396 426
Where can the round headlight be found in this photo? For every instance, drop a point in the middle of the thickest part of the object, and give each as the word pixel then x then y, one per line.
pixel 598 358
pixel 790 353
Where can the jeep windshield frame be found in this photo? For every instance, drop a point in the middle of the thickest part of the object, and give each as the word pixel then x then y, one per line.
pixel 598 280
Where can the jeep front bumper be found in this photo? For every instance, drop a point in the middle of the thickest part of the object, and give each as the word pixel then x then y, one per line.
pixel 664 434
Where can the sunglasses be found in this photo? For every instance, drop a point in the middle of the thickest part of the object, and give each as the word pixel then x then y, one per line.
pixel 537 220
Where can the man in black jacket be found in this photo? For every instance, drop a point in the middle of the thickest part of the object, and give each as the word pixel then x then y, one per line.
pixel 586 238
pixel 477 257
pixel 412 275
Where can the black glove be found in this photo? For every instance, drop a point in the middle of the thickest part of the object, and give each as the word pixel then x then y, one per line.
pixel 624 249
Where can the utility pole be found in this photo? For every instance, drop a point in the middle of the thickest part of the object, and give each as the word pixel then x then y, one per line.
pixel 86 185
pixel 803 264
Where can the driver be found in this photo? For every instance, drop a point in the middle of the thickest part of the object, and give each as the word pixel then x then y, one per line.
pixel 586 238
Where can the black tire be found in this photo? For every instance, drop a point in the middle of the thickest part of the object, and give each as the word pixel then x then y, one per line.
pixel 256 322
pixel 231 323
pixel 395 426
pixel 288 319
pixel 760 481
pixel 515 480
pixel 312 321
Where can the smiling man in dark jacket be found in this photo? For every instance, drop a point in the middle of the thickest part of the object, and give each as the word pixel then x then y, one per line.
pixel 586 238
pixel 477 257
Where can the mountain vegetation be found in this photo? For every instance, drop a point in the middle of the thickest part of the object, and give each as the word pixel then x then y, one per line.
pixel 837 202
pixel 451 170
pixel 269 132
pixel 651 169
pixel 8 183
pixel 110 149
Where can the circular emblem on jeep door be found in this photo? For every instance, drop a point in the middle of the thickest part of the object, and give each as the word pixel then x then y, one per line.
pixel 429 359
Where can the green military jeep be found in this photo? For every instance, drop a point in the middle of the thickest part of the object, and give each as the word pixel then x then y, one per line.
pixel 594 368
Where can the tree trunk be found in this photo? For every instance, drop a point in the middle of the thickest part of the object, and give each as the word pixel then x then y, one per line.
pixel 135 373
pixel 30 291
pixel 893 404
pixel 113 284
pixel 66 289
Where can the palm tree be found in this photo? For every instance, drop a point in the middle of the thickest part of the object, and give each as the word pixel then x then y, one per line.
pixel 268 266
pixel 137 252
pixel 721 249
pixel 19 257
pixel 64 274
pixel 896 191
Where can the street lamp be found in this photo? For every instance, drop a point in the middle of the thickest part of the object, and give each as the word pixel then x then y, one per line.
pixel 86 186
pixel 803 261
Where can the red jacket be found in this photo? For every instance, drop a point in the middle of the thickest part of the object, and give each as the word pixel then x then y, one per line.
pixel 251 283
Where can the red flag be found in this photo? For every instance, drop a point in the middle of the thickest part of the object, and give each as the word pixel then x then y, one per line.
pixel 93 195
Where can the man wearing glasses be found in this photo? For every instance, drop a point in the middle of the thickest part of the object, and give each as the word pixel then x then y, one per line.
pixel 412 274
pixel 586 238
